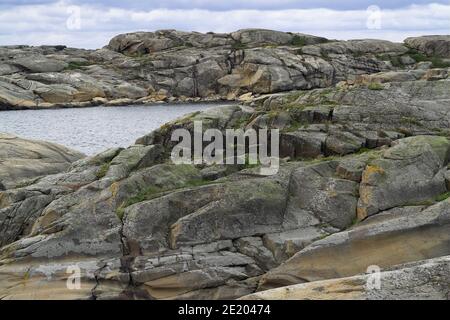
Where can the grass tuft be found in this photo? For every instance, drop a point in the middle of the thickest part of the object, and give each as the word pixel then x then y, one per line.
pixel 103 170
pixel 375 86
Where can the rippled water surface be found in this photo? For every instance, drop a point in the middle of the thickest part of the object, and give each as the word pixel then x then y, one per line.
pixel 91 130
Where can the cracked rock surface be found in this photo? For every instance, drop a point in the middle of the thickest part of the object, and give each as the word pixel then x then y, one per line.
pixel 363 180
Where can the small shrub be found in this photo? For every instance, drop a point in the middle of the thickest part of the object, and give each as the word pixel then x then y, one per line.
pixel 437 62
pixel 77 65
pixel 239 45
pixel 442 197
pixel 411 121
pixel 298 41
pixel 103 170
pixel 375 86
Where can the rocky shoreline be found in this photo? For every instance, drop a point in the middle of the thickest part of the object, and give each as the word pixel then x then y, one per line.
pixel 364 177
pixel 173 66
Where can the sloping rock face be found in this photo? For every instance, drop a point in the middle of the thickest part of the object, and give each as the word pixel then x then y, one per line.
pixel 170 65
pixel 424 280
pixel 431 45
pixel 24 160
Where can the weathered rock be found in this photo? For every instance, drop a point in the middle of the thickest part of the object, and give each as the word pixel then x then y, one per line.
pixel 246 209
pixel 431 45
pixel 435 74
pixel 406 174
pixel 424 280
pixel 316 194
pixel 137 66
pixel 302 144
pixel 284 245
pixel 391 76
pixel 396 239
pixel 24 160
pixel 37 63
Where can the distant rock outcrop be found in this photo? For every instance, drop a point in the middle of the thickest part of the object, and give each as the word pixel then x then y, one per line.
pixel 170 65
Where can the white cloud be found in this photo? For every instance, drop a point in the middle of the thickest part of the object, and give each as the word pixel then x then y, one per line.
pixel 47 24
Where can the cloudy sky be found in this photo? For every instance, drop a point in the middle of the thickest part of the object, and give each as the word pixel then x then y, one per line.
pixel 90 24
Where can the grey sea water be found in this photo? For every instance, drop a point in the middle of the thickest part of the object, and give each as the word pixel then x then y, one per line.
pixel 92 130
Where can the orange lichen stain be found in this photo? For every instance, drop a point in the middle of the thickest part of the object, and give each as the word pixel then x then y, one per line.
pixel 370 172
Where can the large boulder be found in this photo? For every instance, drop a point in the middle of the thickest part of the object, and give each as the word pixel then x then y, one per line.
pixel 431 45
pixel 39 63
pixel 407 174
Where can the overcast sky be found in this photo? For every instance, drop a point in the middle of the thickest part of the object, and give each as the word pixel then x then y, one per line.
pixel 90 24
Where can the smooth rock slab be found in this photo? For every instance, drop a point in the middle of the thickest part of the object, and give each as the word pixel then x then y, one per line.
pixel 424 280
pixel 394 240
pixel 22 159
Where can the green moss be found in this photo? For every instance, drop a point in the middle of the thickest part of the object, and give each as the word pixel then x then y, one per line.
pixel 26 275
pixel 358 54
pixel 363 150
pixel 26 183
pixel 296 125
pixel 355 221
pixel 120 212
pixel 442 197
pixel 153 191
pixel 240 123
pixel 323 236
pixel 427 203
pixel 238 45
pixel 298 41
pixel 395 60
pixel 249 165
pixel 375 86
pixel 101 172
pixel 437 62
pixel 324 55
pixel 410 121
pixel 77 65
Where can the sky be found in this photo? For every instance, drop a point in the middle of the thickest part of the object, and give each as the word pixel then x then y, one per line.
pixel 91 24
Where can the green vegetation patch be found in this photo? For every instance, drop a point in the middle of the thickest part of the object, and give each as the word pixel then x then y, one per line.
pixel 442 197
pixel 298 41
pixel 153 192
pixel 410 121
pixel 395 60
pixel 437 62
pixel 103 170
pixel 77 65
pixel 375 86
pixel 238 45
